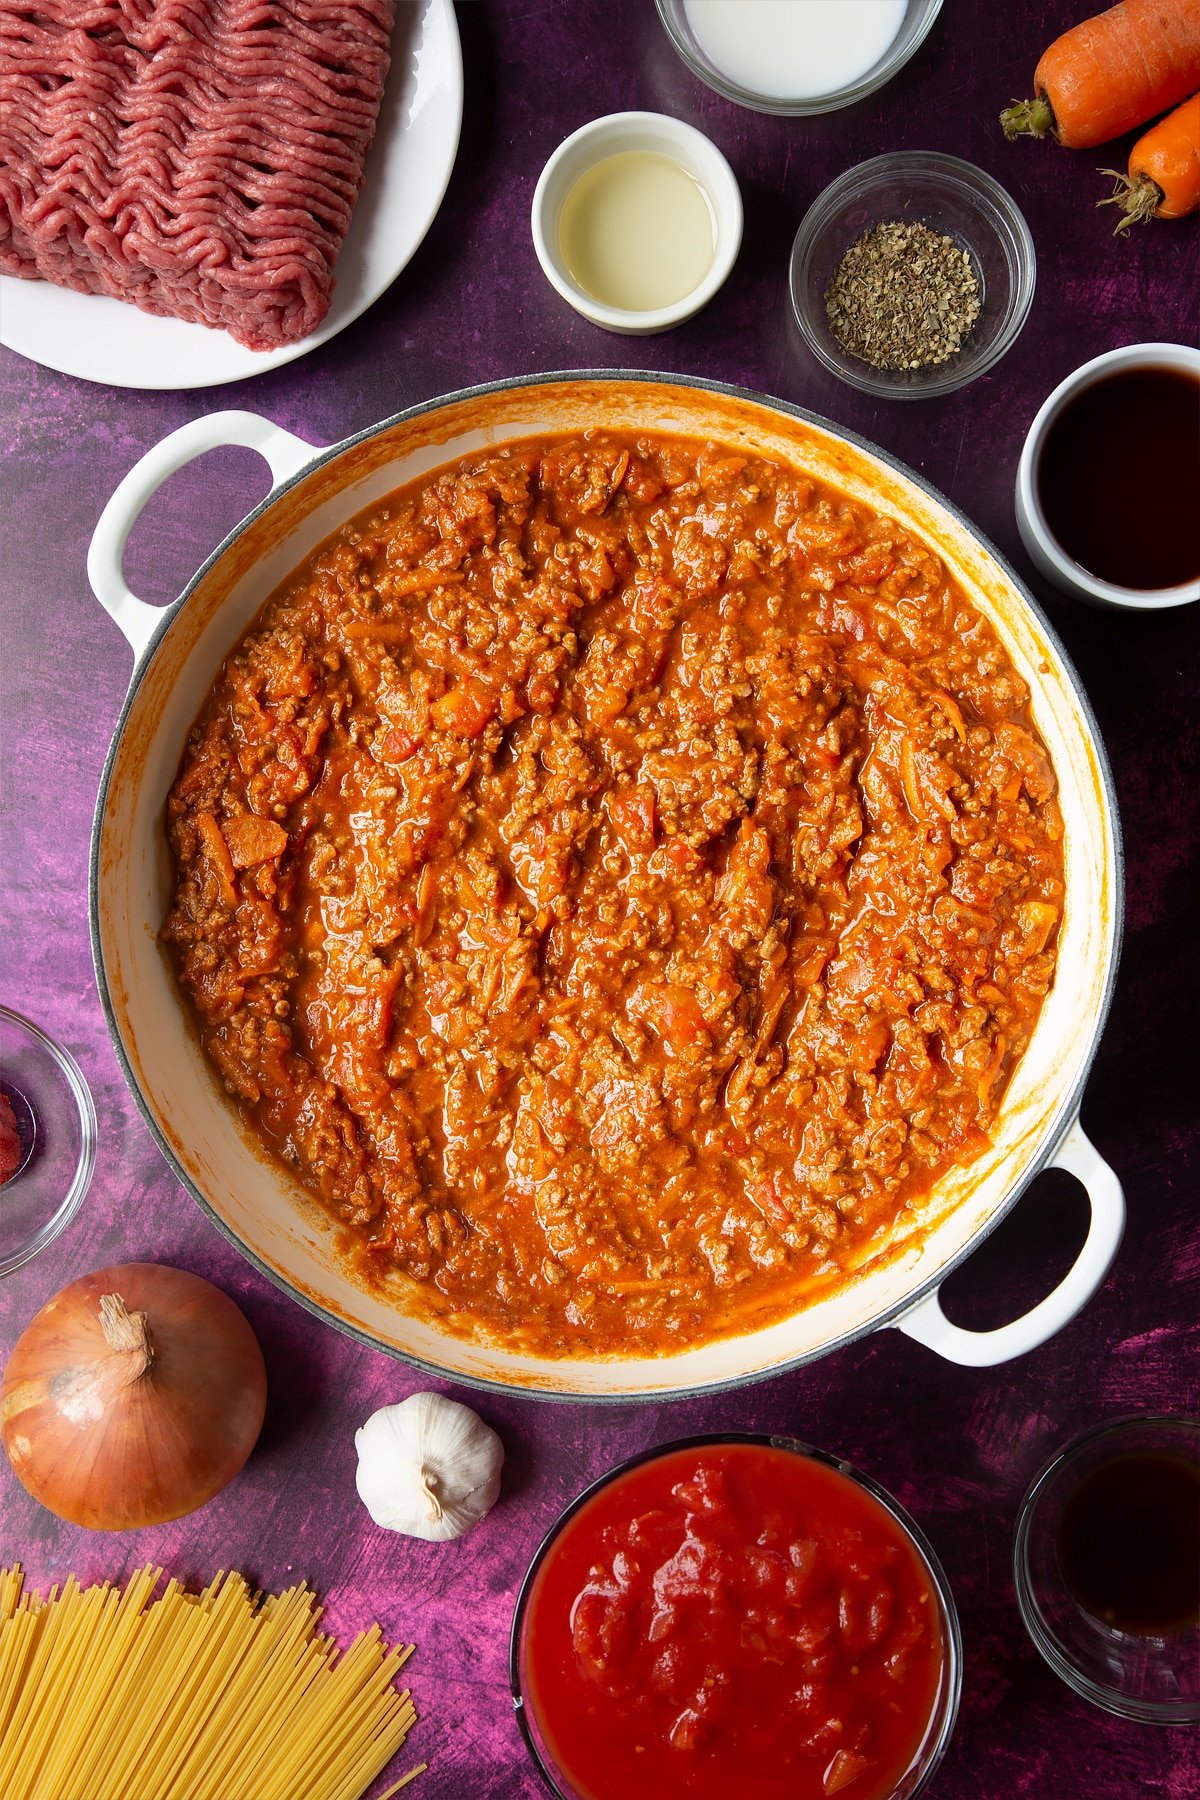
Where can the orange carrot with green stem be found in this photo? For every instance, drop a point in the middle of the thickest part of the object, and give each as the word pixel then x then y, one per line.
pixel 1112 72
pixel 1164 170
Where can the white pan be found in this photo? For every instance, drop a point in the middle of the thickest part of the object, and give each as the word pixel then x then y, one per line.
pixel 178 651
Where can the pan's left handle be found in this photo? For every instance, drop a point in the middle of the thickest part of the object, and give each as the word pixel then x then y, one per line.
pixel 285 455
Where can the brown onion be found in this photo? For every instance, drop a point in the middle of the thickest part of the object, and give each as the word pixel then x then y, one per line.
pixel 133 1397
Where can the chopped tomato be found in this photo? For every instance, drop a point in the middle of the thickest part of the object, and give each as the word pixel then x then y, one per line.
pixel 631 810
pixel 396 746
pixel 466 709
pixel 674 1014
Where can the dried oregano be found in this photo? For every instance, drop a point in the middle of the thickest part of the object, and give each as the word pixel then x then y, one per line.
pixel 902 297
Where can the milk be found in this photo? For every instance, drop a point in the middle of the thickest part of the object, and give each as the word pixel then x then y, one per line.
pixel 795 49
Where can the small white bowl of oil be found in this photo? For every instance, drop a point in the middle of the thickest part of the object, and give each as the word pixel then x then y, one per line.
pixel 637 220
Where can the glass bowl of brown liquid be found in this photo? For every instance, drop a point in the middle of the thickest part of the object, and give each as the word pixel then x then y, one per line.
pixel 1106 1562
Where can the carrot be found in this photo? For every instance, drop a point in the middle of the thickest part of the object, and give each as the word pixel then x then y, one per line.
pixel 1110 73
pixel 1164 170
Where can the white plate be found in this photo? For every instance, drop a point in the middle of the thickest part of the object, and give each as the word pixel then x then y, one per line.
pixel 406 175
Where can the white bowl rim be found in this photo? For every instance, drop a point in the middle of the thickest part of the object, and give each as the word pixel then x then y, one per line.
pixel 1072 575
pixel 705 163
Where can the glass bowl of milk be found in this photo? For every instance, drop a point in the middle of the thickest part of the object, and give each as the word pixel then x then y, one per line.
pixel 796 56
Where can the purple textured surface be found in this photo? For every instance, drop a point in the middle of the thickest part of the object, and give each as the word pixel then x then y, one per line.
pixel 956 1446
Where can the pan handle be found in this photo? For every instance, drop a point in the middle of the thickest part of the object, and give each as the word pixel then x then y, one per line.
pixel 928 1324
pixel 284 453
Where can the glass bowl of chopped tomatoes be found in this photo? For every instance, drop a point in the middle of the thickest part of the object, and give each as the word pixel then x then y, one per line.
pixel 912 274
pixel 735 1614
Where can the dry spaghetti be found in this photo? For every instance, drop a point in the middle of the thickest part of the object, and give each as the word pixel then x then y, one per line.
pixel 113 1694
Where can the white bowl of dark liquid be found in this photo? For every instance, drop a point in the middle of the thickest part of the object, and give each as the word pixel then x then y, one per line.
pixel 1108 486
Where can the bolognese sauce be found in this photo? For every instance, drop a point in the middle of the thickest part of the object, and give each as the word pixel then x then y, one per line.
pixel 619 876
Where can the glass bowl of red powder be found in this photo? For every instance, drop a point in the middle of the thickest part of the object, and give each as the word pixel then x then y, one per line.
pixel 47 1139
pixel 738 1614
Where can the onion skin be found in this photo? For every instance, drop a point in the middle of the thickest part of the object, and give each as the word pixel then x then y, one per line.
pixel 115 1438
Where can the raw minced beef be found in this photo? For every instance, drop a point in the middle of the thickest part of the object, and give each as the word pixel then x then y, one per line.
pixel 199 158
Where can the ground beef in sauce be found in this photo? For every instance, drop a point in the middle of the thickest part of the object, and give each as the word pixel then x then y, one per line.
pixel 619 876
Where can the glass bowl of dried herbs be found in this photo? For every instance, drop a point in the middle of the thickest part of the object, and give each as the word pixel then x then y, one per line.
pixel 912 274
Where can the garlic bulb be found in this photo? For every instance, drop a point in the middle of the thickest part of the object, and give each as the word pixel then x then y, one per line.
pixel 428 1467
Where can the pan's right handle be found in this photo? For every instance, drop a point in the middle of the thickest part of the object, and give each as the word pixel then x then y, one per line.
pixel 284 453
pixel 928 1324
